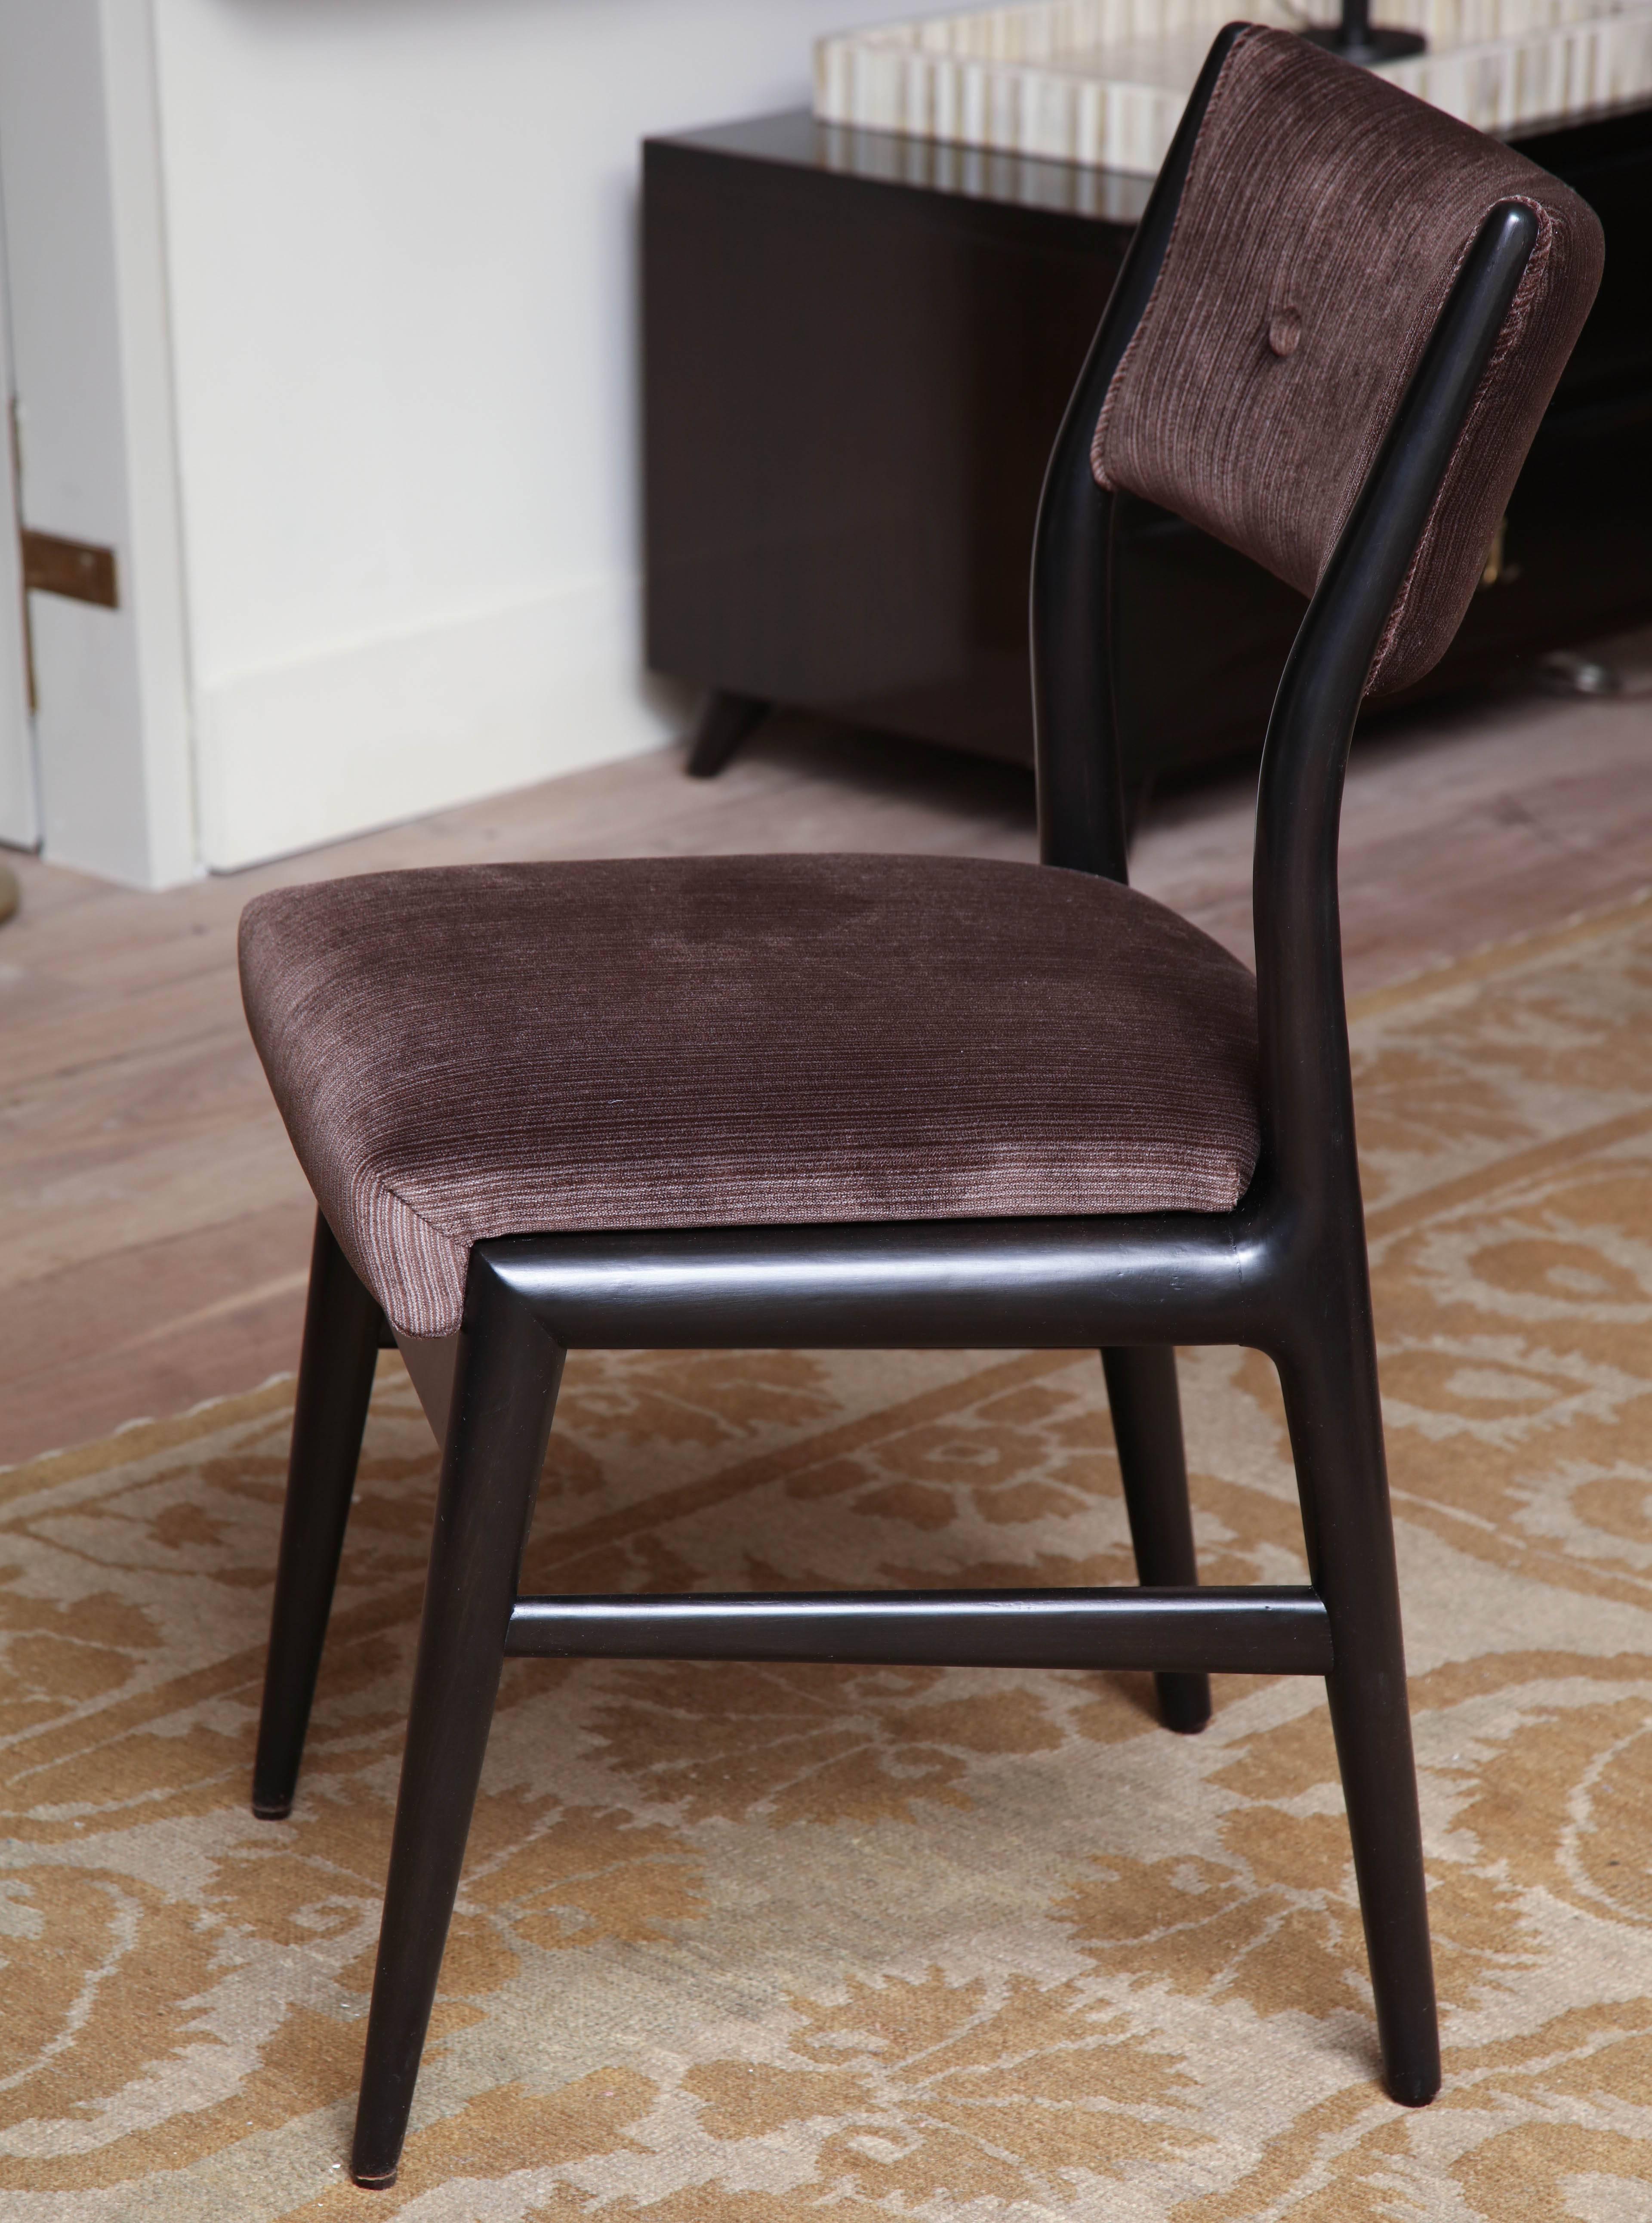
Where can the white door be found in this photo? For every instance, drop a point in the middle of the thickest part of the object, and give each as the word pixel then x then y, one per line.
pixel 82 213
pixel 19 791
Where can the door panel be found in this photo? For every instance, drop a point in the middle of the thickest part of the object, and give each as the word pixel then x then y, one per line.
pixel 84 238
pixel 19 792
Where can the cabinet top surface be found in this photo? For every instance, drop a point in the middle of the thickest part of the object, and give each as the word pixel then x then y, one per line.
pixel 795 139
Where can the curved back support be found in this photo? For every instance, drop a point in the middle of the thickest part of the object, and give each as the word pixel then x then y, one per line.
pixel 1335 333
pixel 1305 1093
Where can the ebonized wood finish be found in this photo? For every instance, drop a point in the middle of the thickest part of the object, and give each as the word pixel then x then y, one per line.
pixel 858 348
pixel 1253 1631
pixel 343 1333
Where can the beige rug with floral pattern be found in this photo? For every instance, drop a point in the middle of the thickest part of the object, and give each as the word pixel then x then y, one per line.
pixel 744 1944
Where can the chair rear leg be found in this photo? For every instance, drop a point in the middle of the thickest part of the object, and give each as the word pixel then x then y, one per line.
pixel 1148 1430
pixel 341 1348
pixel 503 1400
pixel 1335 1412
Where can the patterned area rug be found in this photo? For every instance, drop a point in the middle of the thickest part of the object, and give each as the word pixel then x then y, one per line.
pixel 746 1944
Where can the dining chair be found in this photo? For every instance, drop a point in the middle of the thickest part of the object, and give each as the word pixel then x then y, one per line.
pixel 861 1101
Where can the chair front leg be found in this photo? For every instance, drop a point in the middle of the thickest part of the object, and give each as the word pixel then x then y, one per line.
pixel 341 1348
pixel 1147 1431
pixel 503 1395
pixel 1335 1412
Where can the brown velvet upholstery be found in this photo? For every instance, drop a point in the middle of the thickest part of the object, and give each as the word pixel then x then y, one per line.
pixel 1323 219
pixel 699 1042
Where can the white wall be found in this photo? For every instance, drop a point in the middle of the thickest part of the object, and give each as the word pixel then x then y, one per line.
pixel 402 267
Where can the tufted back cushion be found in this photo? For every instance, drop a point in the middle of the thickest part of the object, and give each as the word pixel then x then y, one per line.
pixel 1324 217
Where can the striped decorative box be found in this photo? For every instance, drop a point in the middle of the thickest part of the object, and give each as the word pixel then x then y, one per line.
pixel 1104 81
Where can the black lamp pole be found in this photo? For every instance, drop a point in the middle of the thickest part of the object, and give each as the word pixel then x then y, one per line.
pixel 1354 39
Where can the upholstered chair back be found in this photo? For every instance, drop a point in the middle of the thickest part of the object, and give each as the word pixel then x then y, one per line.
pixel 1324 217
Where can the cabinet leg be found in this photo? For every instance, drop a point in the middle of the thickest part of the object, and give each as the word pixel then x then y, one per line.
pixel 726 722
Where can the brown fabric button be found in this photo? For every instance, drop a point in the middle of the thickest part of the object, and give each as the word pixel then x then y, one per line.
pixel 1283 330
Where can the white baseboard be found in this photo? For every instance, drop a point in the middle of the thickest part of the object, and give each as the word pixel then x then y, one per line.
pixel 303 753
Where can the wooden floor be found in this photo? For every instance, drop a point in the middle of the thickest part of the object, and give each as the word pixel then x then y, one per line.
pixel 155 1228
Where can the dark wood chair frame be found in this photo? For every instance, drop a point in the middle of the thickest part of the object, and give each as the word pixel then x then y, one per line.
pixel 1285 1272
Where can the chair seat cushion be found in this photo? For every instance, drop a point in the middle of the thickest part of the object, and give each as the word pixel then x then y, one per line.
pixel 505 1049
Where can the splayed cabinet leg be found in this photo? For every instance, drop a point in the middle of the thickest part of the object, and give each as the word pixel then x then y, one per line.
pixel 726 721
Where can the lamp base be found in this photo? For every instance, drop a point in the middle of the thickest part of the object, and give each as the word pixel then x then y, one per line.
pixel 1367 47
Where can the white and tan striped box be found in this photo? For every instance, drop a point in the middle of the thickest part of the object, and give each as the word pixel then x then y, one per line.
pixel 1104 81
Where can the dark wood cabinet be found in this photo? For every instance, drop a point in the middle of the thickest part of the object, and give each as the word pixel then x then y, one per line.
pixel 858 349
